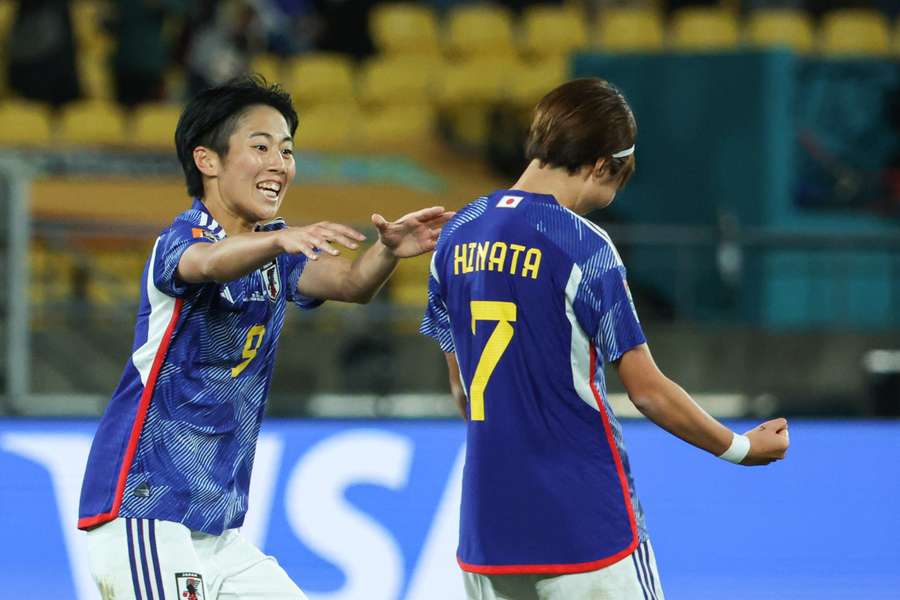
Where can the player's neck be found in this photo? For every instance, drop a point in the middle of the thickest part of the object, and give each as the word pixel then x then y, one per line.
pixel 556 182
pixel 230 221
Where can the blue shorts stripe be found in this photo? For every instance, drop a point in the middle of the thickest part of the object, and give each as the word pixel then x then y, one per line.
pixel 653 587
pixel 144 566
pixel 637 571
pixel 642 560
pixel 131 560
pixel 157 568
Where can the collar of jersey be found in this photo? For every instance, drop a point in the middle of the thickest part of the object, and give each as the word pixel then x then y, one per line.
pixel 276 223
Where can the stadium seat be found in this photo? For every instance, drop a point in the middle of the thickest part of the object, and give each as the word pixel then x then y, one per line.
pixel 96 78
pixel 404 28
pixel 90 36
pixel 114 277
pixel 897 38
pixel 469 89
pixel 781 27
pixel 91 123
pixel 329 127
pixel 398 125
pixel 478 30
pixel 267 65
pixel 630 30
pixel 153 126
pixel 537 79
pixel 704 29
pixel 321 77
pixel 855 32
pixel 51 278
pixel 24 123
pixel 553 31
pixel 409 284
pixel 398 79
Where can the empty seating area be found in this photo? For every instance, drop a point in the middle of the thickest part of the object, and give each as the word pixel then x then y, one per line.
pixel 433 65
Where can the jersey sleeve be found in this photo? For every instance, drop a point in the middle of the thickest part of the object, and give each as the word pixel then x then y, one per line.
pixel 436 321
pixel 607 312
pixel 294 265
pixel 170 247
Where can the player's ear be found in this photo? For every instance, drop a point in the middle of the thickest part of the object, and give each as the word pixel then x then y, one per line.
pixel 599 170
pixel 206 160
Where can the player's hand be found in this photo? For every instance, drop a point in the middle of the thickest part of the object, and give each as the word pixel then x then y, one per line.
pixel 768 442
pixel 412 234
pixel 311 239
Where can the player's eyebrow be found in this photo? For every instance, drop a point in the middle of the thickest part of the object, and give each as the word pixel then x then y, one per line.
pixel 270 137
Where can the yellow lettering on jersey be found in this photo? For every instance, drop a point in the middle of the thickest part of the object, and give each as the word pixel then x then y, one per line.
pixel 498 256
pixel 532 263
pixel 514 261
pixel 470 257
pixel 482 255
pixel 459 258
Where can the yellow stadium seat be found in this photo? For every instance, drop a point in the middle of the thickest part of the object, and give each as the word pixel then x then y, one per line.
pixel 90 37
pixel 537 79
pixel 329 127
pixel 409 283
pixel 92 122
pixel 404 28
pixel 477 30
pixel 551 31
pixel 318 78
pixel 51 278
pixel 630 30
pixel 398 125
pixel 704 29
pixel 399 79
pixel 267 65
pixel 7 13
pixel 855 32
pixel 114 277
pixel 153 126
pixel 96 78
pixel 897 38
pixel 781 27
pixel 24 123
pixel 469 89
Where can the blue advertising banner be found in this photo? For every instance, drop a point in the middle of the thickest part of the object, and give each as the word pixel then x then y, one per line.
pixel 367 510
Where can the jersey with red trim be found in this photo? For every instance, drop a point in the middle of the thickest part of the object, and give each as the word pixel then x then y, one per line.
pixel 177 440
pixel 533 300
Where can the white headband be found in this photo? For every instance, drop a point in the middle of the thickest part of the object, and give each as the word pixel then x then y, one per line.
pixel 624 153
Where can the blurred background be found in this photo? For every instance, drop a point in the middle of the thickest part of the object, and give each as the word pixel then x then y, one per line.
pixel 761 232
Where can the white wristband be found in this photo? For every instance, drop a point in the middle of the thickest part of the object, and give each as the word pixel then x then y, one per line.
pixel 738 450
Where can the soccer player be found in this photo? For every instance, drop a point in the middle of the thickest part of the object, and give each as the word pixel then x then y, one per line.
pixel 529 302
pixel 166 485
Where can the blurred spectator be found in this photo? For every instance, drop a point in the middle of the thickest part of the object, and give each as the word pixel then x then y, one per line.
pixel 142 50
pixel 41 52
pixel 223 43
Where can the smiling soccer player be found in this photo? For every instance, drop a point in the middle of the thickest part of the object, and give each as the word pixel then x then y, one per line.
pixel 166 485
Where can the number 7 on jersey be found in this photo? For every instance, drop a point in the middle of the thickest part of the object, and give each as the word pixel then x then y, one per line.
pixel 504 313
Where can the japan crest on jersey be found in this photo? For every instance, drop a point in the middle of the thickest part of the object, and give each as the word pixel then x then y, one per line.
pixel 271 280
pixel 190 586
pixel 509 201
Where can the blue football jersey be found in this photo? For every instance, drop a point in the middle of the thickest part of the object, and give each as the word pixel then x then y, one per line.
pixel 532 299
pixel 177 440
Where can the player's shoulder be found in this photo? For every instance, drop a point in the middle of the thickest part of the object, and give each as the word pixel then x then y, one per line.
pixel 468 213
pixel 200 223
pixel 578 237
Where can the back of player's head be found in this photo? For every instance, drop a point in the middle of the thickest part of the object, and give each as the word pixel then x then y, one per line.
pixel 580 122
pixel 211 117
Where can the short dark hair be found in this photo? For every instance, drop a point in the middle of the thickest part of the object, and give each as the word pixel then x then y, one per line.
pixel 580 122
pixel 211 117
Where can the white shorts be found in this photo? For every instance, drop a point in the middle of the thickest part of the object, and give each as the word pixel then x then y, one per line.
pixel 145 559
pixel 633 578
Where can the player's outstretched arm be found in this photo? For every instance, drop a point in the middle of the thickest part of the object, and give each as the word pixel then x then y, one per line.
pixel 359 280
pixel 665 403
pixel 237 255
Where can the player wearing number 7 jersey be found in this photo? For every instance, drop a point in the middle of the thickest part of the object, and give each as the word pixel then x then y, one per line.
pixel 168 474
pixel 529 302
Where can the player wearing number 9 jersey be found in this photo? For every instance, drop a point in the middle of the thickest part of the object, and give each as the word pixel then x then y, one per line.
pixel 168 474
pixel 529 301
